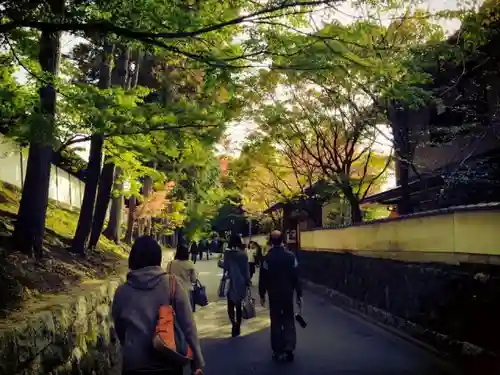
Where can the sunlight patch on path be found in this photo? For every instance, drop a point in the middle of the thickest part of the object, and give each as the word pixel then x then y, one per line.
pixel 212 321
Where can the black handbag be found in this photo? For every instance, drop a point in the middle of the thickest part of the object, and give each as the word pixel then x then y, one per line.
pixel 200 297
pixel 248 306
pixel 223 287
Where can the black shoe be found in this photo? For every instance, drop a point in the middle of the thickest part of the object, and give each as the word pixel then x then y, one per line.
pixel 236 330
pixel 289 357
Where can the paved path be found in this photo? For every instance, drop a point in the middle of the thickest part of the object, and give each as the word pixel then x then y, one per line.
pixel 335 342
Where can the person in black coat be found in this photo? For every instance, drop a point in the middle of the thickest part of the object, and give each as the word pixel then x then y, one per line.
pixel 216 246
pixel 203 248
pixel 194 251
pixel 259 254
pixel 279 280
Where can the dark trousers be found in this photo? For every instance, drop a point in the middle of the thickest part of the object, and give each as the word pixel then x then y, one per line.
pixel 194 257
pixel 283 335
pixel 191 299
pixel 252 266
pixel 234 310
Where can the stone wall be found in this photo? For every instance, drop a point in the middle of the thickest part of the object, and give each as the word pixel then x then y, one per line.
pixel 457 300
pixel 62 334
pixel 65 334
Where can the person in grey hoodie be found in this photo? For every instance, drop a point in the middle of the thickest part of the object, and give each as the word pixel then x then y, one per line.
pixel 135 313
pixel 237 271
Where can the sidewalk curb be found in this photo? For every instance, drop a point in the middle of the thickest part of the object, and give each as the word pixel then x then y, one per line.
pixel 468 355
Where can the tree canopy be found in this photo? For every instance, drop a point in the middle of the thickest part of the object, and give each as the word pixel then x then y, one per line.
pixel 151 87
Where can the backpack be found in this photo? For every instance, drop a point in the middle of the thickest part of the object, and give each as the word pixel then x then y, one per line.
pixel 169 339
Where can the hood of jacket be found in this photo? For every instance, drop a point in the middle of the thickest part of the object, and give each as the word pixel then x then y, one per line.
pixel 146 278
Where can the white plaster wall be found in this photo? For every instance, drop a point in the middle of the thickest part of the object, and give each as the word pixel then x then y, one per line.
pixel 63 188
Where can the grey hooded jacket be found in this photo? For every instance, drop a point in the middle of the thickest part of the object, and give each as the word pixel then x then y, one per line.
pixel 135 314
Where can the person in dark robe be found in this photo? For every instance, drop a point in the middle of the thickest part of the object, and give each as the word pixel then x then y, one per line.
pixel 279 280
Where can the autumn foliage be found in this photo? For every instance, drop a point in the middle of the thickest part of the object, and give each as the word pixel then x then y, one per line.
pixel 156 203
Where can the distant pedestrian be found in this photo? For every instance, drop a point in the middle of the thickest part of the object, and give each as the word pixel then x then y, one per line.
pixel 204 248
pixel 184 269
pixel 236 270
pixel 194 251
pixel 259 255
pixel 216 246
pixel 135 313
pixel 279 279
pixel 252 257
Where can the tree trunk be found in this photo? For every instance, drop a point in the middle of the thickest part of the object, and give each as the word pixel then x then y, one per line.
pixel 94 164
pixel 132 82
pixel 140 227
pixel 30 226
pixel 134 77
pixel 132 204
pixel 356 215
pixel 121 73
pixel 89 195
pixel 144 223
pixel 119 77
pixel 112 231
pixel 102 203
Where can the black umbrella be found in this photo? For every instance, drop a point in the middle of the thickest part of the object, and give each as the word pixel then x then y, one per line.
pixel 300 319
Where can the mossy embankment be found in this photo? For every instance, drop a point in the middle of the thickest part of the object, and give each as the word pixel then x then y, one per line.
pixel 23 279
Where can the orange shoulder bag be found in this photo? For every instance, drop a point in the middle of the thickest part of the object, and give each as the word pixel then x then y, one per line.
pixel 169 339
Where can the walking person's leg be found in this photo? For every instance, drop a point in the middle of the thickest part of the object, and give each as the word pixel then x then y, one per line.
pixel 232 313
pixel 191 297
pixel 239 316
pixel 252 269
pixel 289 332
pixel 277 342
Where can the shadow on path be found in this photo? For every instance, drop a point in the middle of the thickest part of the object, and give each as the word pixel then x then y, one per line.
pixel 335 342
